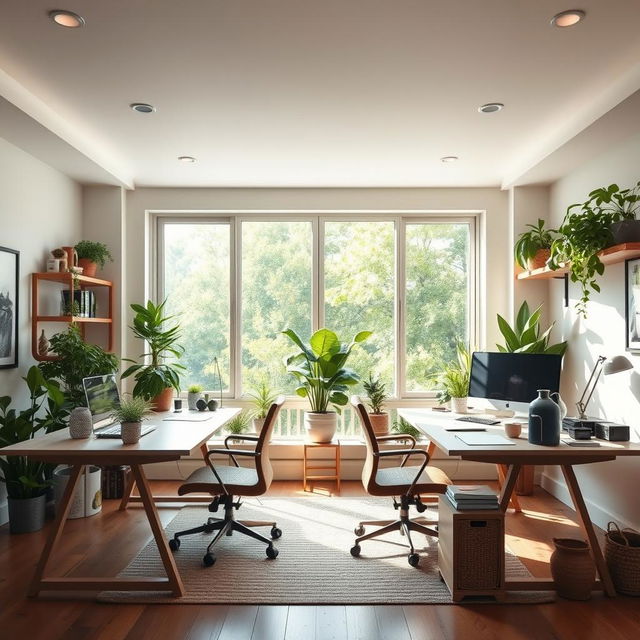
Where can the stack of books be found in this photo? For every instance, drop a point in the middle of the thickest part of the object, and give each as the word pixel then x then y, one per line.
pixel 83 305
pixel 472 497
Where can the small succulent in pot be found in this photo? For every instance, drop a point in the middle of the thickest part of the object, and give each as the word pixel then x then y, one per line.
pixel 377 394
pixel 130 413
pixel 194 393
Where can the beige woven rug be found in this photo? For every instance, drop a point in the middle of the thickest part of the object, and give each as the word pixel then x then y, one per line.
pixel 314 565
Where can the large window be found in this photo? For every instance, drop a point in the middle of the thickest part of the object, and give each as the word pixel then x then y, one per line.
pixel 235 282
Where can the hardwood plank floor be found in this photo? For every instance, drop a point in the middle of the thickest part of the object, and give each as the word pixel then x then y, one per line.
pixel 107 542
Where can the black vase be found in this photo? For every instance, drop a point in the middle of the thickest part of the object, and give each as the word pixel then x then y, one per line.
pixel 544 420
pixel 201 405
pixel 212 404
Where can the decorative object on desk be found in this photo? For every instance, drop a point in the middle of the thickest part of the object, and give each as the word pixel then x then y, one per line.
pixel 319 369
pixel 71 256
pixel 533 248
pixel 572 569
pixel 80 423
pixel 632 304
pixel 555 396
pixel 60 256
pixel 525 336
pixel 201 404
pixel 262 397
pixel 453 379
pixel 212 405
pixel 177 405
pixel 156 380
pixel 194 393
pixel 544 420
pixel 91 255
pixel 578 432
pixel 377 395
pixel 622 553
pixel 611 431
pixel 53 265
pixel 9 307
pixel 608 366
pixel 512 429
pixel 130 413
pixel 43 344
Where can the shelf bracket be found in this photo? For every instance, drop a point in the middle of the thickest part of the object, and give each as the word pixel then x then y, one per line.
pixel 565 277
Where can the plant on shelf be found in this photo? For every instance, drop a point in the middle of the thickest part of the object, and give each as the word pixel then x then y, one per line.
pixel 156 380
pixel 91 255
pixel 533 248
pixel 319 368
pixel 194 393
pixel 453 379
pixel 130 413
pixel 239 423
pixel 377 395
pixel 525 336
pixel 262 397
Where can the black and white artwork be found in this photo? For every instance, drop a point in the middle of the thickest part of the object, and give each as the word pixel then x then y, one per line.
pixel 9 274
pixel 632 299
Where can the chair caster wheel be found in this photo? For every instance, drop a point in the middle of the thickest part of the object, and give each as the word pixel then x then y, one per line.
pixel 276 533
pixel 359 530
pixel 272 552
pixel 174 544
pixel 421 508
pixel 355 550
pixel 414 559
pixel 209 560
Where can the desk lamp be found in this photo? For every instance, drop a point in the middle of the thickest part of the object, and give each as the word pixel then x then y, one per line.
pixel 616 364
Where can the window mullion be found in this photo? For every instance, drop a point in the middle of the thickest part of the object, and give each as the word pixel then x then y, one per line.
pixel 401 360
pixel 235 342
pixel 318 274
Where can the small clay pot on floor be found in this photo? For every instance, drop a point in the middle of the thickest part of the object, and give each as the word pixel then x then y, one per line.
pixel 573 569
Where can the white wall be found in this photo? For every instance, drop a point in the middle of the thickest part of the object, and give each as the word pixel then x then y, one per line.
pixel 40 209
pixel 610 488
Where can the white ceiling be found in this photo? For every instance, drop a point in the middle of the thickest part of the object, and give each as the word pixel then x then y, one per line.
pixel 342 93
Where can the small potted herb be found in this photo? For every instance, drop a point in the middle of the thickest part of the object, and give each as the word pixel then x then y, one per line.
pixel 130 413
pixel 239 423
pixel 533 248
pixel 453 380
pixel 194 393
pixel 377 394
pixel 91 255
pixel 262 397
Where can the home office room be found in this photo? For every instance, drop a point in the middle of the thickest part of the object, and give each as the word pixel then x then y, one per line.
pixel 319 320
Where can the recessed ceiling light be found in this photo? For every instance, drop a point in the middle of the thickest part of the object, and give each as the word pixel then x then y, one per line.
pixel 142 107
pixel 568 18
pixel 186 159
pixel 67 18
pixel 491 107
pixel 449 159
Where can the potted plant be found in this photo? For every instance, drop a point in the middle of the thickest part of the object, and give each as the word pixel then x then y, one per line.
pixel 91 255
pixel 377 394
pixel 453 380
pixel 130 413
pixel 239 423
pixel 157 380
pixel 533 248
pixel 319 369
pixel 194 393
pixel 262 397
pixel 623 204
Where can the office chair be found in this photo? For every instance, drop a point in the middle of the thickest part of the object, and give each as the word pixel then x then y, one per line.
pixel 228 483
pixel 406 482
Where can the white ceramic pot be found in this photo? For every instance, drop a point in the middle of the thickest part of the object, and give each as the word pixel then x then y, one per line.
pixel 130 432
pixel 560 402
pixel 192 399
pixel 459 405
pixel 258 423
pixel 80 423
pixel 321 427
pixel 380 423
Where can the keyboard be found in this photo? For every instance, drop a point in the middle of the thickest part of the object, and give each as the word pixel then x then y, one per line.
pixel 488 421
pixel 114 431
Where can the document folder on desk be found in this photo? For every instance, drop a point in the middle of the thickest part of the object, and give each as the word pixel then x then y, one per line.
pixel 476 439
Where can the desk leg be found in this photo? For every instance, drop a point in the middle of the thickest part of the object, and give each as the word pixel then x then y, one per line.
pixel 62 511
pixel 128 490
pixel 509 486
pixel 158 532
pixel 587 527
pixel 515 503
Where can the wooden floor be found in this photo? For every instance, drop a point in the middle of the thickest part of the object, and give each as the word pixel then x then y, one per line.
pixel 107 542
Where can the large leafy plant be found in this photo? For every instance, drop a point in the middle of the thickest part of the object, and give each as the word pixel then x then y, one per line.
pixel 530 242
pixel 319 368
pixel 453 379
pixel 158 374
pixel 525 336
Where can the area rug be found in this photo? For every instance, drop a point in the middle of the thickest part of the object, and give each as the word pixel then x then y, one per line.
pixel 314 565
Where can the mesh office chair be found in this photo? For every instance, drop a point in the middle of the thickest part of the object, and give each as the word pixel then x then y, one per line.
pixel 406 482
pixel 228 483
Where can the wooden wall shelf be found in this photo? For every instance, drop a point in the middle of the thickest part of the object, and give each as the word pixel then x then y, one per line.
pixel 72 282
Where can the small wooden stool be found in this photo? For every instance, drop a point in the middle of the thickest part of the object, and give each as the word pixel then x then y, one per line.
pixel 308 467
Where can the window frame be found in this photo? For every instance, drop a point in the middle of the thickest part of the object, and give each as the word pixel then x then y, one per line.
pixel 157 219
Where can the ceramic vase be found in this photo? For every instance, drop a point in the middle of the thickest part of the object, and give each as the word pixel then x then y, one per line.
pixel 560 402
pixel 192 399
pixel 572 568
pixel 130 432
pixel 544 420
pixel 459 405
pixel 80 423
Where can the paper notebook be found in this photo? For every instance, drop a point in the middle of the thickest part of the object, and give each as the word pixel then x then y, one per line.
pixel 476 439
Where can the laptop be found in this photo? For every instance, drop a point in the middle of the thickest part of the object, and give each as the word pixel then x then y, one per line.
pixel 103 397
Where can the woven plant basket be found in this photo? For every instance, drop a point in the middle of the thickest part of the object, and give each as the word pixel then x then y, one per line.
pixel 622 553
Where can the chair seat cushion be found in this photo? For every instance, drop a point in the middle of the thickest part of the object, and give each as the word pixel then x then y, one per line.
pixel 230 475
pixel 432 479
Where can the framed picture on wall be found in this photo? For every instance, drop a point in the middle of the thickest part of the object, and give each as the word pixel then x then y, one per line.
pixel 632 304
pixel 9 291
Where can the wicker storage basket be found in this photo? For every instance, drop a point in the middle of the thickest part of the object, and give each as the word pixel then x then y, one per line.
pixel 622 552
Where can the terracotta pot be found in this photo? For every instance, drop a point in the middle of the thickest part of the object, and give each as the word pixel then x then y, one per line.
pixel 572 568
pixel 321 427
pixel 380 423
pixel 162 402
pixel 539 260
pixel 89 268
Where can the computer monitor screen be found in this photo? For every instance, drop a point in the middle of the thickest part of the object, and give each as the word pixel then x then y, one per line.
pixel 102 396
pixel 511 380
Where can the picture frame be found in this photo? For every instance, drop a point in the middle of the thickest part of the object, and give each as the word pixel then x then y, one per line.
pixel 9 307
pixel 632 304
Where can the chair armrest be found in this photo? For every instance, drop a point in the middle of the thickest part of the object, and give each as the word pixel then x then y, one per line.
pixel 240 436
pixel 397 436
pixel 229 452
pixel 407 453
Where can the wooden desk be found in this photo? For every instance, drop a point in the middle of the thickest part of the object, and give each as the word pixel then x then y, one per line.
pixel 170 441
pixel 522 453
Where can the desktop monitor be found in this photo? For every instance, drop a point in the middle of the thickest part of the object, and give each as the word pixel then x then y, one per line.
pixel 102 396
pixel 511 380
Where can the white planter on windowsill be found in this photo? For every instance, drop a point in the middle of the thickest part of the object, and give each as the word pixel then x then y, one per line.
pixel 258 424
pixel 321 427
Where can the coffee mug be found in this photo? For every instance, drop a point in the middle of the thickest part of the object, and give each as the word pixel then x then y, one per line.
pixel 513 429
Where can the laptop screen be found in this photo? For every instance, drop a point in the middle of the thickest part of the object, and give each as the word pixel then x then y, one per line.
pixel 102 396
